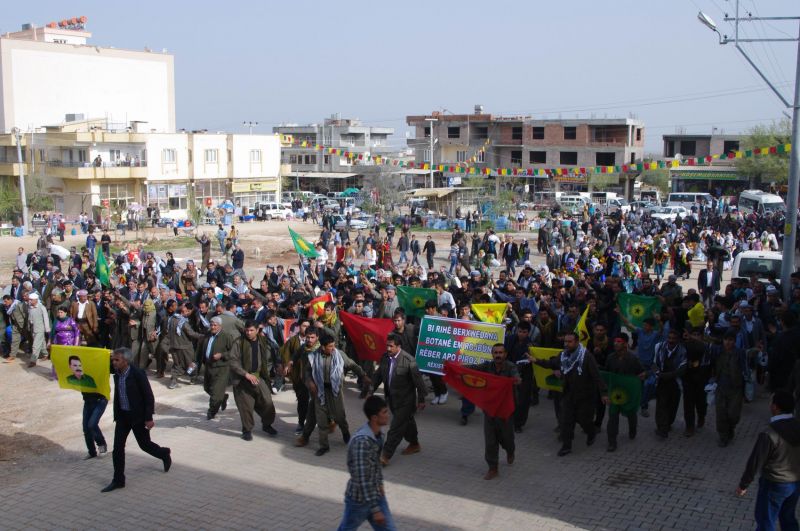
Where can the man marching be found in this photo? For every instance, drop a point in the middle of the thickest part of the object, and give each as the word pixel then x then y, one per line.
pixel 405 392
pixel 250 365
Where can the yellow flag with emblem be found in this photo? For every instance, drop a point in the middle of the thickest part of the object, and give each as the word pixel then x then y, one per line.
pixel 490 313
pixel 82 369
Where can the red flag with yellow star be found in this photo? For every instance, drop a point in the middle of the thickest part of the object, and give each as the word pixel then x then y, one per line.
pixel 316 307
pixel 490 313
pixel 368 335
pixel 493 394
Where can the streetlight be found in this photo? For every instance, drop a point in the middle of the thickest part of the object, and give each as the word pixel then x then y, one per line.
pixel 18 134
pixel 250 125
pixel 790 227
pixel 430 127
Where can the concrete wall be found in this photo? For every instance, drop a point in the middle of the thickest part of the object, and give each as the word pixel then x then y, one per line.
pixel 42 82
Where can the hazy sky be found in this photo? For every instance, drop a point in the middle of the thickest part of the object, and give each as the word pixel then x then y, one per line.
pixel 290 61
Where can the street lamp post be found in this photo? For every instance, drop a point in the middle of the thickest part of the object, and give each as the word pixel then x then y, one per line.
pixel 790 227
pixel 250 126
pixel 430 126
pixel 23 197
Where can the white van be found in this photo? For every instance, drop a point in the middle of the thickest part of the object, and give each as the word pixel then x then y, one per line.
pixel 572 204
pixel 270 211
pixel 760 202
pixel 758 263
pixel 651 196
pixel 688 199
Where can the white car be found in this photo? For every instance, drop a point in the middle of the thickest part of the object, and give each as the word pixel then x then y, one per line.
pixel 758 263
pixel 355 224
pixel 669 213
pixel 270 211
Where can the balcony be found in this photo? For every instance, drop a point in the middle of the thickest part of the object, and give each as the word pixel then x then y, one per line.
pixel 11 168
pixel 85 170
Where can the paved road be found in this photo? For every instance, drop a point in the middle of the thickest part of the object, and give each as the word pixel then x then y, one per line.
pixel 219 481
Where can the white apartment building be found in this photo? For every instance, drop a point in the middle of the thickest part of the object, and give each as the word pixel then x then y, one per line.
pixel 84 167
pixel 50 73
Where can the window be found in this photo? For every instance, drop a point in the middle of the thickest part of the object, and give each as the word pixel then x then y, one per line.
pixel 326 159
pixel 211 156
pixel 516 157
pixel 670 148
pixel 118 195
pixel 605 158
pixel 81 155
pixel 688 148
pixel 177 195
pixel 570 133
pixel 638 134
pixel 480 156
pixel 481 133
pixel 168 155
pixel 730 145
pixel 310 159
pixel 461 156
pixel 114 155
pixel 453 132
pixel 568 157
pixel 292 159
pixel 516 133
pixel 537 133
pixel 426 155
pixel 255 155
pixel 537 157
pixel 216 190
pixel 427 133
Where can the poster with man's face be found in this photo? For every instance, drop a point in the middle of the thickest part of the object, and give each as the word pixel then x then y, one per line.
pixel 82 369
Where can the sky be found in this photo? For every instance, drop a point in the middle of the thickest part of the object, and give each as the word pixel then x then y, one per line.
pixel 299 62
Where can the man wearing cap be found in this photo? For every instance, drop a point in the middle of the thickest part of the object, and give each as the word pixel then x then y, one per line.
pixel 215 351
pixel 38 328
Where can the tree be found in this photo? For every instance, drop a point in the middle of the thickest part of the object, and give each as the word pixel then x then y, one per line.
pixel 770 168
pixel 658 178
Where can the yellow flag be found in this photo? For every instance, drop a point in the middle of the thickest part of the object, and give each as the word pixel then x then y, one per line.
pixel 582 329
pixel 490 313
pixel 82 369
pixel 545 378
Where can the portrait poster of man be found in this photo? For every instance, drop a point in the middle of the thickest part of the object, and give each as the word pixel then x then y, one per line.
pixel 82 369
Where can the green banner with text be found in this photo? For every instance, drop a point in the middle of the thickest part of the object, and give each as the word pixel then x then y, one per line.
pixel 463 342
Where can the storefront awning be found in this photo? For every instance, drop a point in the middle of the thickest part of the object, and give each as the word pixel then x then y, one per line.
pixel 320 175
pixel 708 175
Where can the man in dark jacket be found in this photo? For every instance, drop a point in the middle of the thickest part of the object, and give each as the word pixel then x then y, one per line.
pixel 623 362
pixel 215 352
pixel 405 392
pixel 133 411
pixel 250 365
pixel 582 383
pixel 777 456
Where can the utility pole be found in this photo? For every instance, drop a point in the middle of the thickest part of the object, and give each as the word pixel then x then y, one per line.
pixel 790 227
pixel 250 125
pixel 23 197
pixel 430 128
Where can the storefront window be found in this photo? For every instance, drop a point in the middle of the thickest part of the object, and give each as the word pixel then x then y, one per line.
pixel 249 199
pixel 177 196
pixel 217 191
pixel 157 196
pixel 119 196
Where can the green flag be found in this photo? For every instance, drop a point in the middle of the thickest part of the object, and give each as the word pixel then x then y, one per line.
pixel 101 268
pixel 302 247
pixel 624 392
pixel 637 308
pixel 413 300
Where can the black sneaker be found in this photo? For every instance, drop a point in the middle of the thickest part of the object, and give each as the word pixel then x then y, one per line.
pixel 346 437
pixel 612 447
pixel 590 439
pixel 247 436
pixel 464 420
pixel 272 432
pixel 565 450
pixel 224 402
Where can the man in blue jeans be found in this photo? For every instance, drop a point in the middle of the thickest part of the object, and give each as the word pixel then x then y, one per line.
pixel 364 498
pixel 777 456
pixel 94 405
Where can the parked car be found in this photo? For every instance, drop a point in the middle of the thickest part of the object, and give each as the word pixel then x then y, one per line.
pixel 618 204
pixel 270 211
pixel 669 213
pixel 758 263
pixel 340 222
pixel 646 206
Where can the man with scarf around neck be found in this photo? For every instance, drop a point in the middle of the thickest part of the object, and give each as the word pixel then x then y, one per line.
pixel 251 362
pixel 669 365
pixel 293 357
pixel 324 377
pixel 181 339
pixel 405 392
pixel 498 432
pixel 582 383
pixel 215 351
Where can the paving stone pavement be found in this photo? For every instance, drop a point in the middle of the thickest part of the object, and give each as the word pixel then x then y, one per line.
pixel 219 481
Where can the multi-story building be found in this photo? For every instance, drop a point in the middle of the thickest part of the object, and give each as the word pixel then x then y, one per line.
pixel 719 176
pixel 81 165
pixel 51 74
pixel 489 141
pixel 319 171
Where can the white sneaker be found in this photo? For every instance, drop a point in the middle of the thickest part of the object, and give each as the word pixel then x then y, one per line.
pixel 435 401
pixel 443 399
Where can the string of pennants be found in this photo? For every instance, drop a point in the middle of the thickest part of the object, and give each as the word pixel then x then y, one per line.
pixel 467 168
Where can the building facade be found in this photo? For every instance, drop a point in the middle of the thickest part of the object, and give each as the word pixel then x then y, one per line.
pixel 319 171
pixel 489 141
pixel 50 75
pixel 83 166
pixel 720 177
